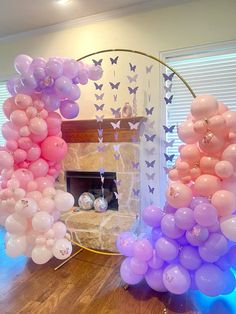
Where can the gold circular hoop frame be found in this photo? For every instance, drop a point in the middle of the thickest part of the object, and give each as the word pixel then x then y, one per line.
pixel 155 59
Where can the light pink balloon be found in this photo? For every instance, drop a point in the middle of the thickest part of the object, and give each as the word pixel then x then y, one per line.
pixel 36 195
pixel 26 207
pixel 229 154
pixel 59 229
pixel 53 148
pixel 16 246
pixel 16 224
pixel 34 152
pixel 49 192
pixel 38 104
pixel 211 143
pixel 42 222
pixel 224 201
pixel 64 201
pixel 195 172
pixel 224 169
pixel 173 175
pixel 23 101
pixel 23 176
pixel 24 131
pixel 178 195
pixel 217 125
pixel 41 254
pixel 200 127
pixel 182 167
pixel 190 153
pixel 10 131
pixel 32 186
pixel 207 164
pixel 54 120
pixel 31 112
pixel 25 143
pixel 39 168
pixel 19 193
pixel 13 184
pixel 37 138
pixel 19 155
pixel 228 227
pixel 204 106
pixel 9 106
pixel 43 114
pixel 222 108
pixel 186 132
pixel 44 182
pixel 11 145
pixel 6 160
pixel 230 119
pixel 37 126
pixel 19 118
pixel 207 185
pixel 46 204
pixel 232 137
pixel 62 249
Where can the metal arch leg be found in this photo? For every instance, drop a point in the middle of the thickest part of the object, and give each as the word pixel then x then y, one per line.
pixel 68 259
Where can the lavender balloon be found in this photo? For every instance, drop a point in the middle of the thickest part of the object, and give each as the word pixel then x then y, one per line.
pixel 198 200
pixel 69 109
pixel 230 282
pixel 197 236
pixel 127 275
pixel 169 227
pixel 22 63
pixel 167 249
pixel 205 214
pixel 217 244
pixel 176 279
pixel 155 262
pixel 206 255
pixel 190 258
pixel 143 250
pixel 152 215
pixel 54 68
pixel 125 243
pixel 138 267
pixel 154 279
pixel 184 218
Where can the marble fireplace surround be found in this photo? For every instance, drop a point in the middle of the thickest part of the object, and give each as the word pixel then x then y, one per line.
pixel 100 230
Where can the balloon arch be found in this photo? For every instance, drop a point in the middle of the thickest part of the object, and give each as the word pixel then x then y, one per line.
pixel 188 244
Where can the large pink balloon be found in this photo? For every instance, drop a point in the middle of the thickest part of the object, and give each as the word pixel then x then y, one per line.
pixel 23 176
pixel 224 201
pixel 178 195
pixel 190 153
pixel 39 168
pixel 229 154
pixel 207 185
pixel 207 164
pixel 204 106
pixel 23 101
pixel 230 119
pixel 19 118
pixel 44 182
pixel 10 131
pixel 9 106
pixel 224 169
pixel 186 132
pixel 6 160
pixel 54 148
pixel 211 143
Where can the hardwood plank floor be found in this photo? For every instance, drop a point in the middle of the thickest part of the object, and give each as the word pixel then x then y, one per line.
pixel 87 284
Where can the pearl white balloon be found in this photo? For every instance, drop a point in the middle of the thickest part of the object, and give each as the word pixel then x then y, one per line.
pixel 228 227
pixel 16 224
pixel 62 249
pixel 16 246
pixel 41 254
pixel 26 207
pixel 64 201
pixel 42 222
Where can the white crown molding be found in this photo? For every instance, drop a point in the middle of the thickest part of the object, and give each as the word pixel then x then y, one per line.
pixel 132 9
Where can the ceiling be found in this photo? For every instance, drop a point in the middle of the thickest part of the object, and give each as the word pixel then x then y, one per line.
pixel 18 16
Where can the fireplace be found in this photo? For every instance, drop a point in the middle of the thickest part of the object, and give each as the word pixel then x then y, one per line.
pixel 78 182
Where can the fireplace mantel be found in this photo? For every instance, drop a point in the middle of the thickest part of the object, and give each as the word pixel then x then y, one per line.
pixel 86 131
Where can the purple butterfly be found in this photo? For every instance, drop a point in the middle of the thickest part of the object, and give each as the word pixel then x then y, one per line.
pixel 169 100
pixel 132 79
pixel 150 151
pixel 116 125
pixel 114 61
pixel 133 126
pixel 99 62
pixel 99 97
pixel 134 139
pixel 116 148
pixel 132 67
pixel 168 129
pixel 116 136
pixel 117 182
pixel 166 169
pixel 99 107
pixel 135 165
pixel 168 77
pixel 149 97
pixel 149 111
pixel 136 192
pixel 114 85
pixel 101 148
pixel 169 157
pixel 98 86
pixel 115 98
pixel 169 144
pixel 150 176
pixel 101 171
pixel 149 69
pixel 100 132
pixel 117 156
pixel 168 89
pixel 150 138
pixel 115 112
pixel 133 90
pixel 150 164
pixel 151 190
pixel 99 118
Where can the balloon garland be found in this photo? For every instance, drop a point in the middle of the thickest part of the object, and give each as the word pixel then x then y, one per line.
pixel 30 162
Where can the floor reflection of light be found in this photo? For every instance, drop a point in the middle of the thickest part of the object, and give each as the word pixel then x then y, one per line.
pixel 223 304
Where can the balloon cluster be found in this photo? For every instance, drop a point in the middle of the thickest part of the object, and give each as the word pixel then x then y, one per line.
pixel 191 244
pixel 30 161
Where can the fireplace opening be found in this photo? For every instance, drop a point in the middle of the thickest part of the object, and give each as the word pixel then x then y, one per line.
pixel 78 182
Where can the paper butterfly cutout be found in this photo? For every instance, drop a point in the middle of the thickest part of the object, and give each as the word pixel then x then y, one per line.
pixel 168 89
pixel 116 136
pixel 117 182
pixel 102 180
pixel 150 164
pixel 99 118
pixel 150 138
pixel 116 125
pixel 133 126
pixel 133 90
pixel 135 165
pixel 169 144
pixel 100 132
pixel 132 67
pixel 100 140
pixel 169 157
pixel 150 176
pixel 134 139
pixel 115 111
pixel 116 195
pixel 168 129
pixel 101 171
pixel 167 170
pixel 136 192
pixel 114 85
pixel 101 148
pixel 98 86
pixel 169 100
pixel 132 78
pixel 115 98
pixel 149 111
pixel 117 156
pixel 114 61
pixel 116 147
pixel 99 107
pixel 99 97
pixel 150 151
pixel 151 190
pixel 168 77
pixel 149 69
pixel 99 62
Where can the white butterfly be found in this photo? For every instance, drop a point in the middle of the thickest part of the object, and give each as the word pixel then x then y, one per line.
pixel 116 148
pixel 116 125
pixel 116 195
pixel 133 126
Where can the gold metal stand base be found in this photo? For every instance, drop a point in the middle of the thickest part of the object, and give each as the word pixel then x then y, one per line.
pixel 68 259
pixel 125 286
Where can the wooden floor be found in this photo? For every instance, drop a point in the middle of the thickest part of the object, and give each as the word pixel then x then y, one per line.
pixel 88 284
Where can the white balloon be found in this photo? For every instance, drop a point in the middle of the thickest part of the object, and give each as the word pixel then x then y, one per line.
pixel 16 246
pixel 62 249
pixel 228 227
pixel 42 222
pixel 49 192
pixel 41 254
pixel 19 193
pixel 16 224
pixel 64 201
pixel 59 229
pixel 46 204
pixel 26 207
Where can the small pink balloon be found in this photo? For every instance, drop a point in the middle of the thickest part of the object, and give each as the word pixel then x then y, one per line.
pixel 229 154
pixel 222 108
pixel 39 168
pixel 37 126
pixel 9 106
pixel 207 185
pixel 211 143
pixel 232 137
pixel 195 172
pixel 47 204
pixel 11 145
pixel 31 112
pixel 54 131
pixel 6 160
pixel 59 229
pixel 10 131
pixel 53 120
pixel 230 119
pixel 23 176
pixel 224 201
pixel 19 155
pixel 24 131
pixel 178 195
pixel 207 164
pixel 23 101
pixel 34 152
pixel 173 175
pixel 43 114
pixel 13 184
pixel 25 143
pixel 224 169
pixel 32 186
pixel 200 127
pixel 182 167
pixel 204 106
pixel 19 118
pixel 38 104
pixel 229 184
pixel 44 182
pixel 186 132
pixel 190 153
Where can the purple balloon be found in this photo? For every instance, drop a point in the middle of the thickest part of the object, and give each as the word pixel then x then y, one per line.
pixel 184 218
pixel 156 234
pixel 69 109
pixel 206 255
pixel 74 93
pixel 127 275
pixel 210 280
pixel 224 263
pixel 169 209
pixel 22 63
pixel 70 68
pixel 11 84
pixel 205 214
pixel 39 74
pixel 232 256
pixel 125 243
pixel 190 258
pixel 95 72
pixel 54 68
pixel 143 250
pixel 28 81
pixel 215 227
pixel 152 215
pixel 63 85
pixel 169 228
pixel 37 63
pixel 167 249
pixel 198 200
pixel 154 279
pixel 197 236
pixel 176 279
pixel 137 266
pixel 217 244
pixel 155 262
pixel 52 102
pixel 230 282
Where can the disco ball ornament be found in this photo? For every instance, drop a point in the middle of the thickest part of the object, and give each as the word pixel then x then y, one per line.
pixel 100 204
pixel 86 201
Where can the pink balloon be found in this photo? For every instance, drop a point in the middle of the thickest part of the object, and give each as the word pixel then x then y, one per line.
pixel 222 108
pixel 54 131
pixel 173 175
pixel 26 207
pixel 44 182
pixel 211 143
pixel 23 101
pixel 195 172
pixel 37 138
pixel 39 168
pixel 25 143
pixel 9 106
pixel 186 132
pixel 32 186
pixel 190 153
pixel 19 118
pixel 10 131
pixel 37 126
pixel 207 164
pixel 46 204
pixel 224 201
pixel 31 112
pixel 53 120
pixel 217 125
pixel 38 104
pixel 232 137
pixel 200 127
pixel 229 154
pixel 54 148
pixel 19 155
pixel 178 195
pixel 24 131
pixel 6 160
pixel 42 222
pixel 16 224
pixel 204 106
pixel 59 229
pixel 23 176
pixel 182 167
pixel 230 119
pixel 34 152
pixel 11 145
pixel 224 169
pixel 36 195
pixel 207 185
